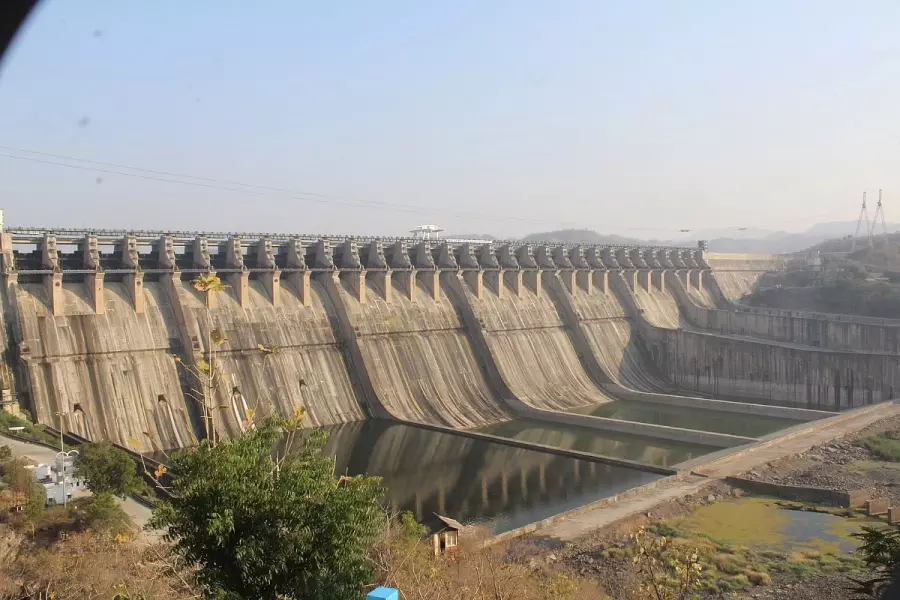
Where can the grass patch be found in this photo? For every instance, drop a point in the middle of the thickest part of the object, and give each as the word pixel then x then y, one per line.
pixel 885 445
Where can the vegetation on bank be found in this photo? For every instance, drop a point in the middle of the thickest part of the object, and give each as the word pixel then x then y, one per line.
pixel 266 516
pixel 885 445
pixel 30 431
pixel 850 294
pixel 740 554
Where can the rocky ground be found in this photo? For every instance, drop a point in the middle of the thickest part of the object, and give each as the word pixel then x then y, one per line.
pixel 840 465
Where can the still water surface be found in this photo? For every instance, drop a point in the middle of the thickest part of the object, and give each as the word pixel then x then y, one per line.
pixel 648 450
pixel 430 472
pixel 689 418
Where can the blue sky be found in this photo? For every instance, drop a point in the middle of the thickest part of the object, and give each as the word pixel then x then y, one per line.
pixel 505 117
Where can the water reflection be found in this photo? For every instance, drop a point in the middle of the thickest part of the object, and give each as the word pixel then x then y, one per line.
pixel 648 450
pixel 690 418
pixel 430 472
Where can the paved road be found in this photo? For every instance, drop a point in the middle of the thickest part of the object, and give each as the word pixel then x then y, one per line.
pixel 138 513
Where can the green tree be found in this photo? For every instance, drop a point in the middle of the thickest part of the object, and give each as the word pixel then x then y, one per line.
pixel 107 470
pixel 262 527
pixel 103 513
pixel 880 549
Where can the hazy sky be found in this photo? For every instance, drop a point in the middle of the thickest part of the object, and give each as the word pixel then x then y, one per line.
pixel 504 117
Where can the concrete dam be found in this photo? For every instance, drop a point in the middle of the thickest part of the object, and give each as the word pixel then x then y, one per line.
pixel 103 327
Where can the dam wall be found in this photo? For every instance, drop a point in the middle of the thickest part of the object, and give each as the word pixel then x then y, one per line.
pixel 445 334
pixel 612 340
pixel 736 275
pixel 302 363
pixel 733 368
pixel 418 355
pixel 796 327
pixel 532 349
pixel 109 376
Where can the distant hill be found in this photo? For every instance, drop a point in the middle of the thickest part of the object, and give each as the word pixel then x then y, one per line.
pixel 720 240
pixel 470 236
pixel 783 242
pixel 581 236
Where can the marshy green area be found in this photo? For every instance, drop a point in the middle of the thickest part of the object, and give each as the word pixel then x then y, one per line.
pixel 750 541
pixel 885 445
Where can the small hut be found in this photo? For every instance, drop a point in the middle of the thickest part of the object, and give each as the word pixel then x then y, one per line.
pixel 446 535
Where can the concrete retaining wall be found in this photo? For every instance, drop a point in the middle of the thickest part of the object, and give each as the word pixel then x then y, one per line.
pixel 743 368
pixel 791 326
pixel 698 362
pixel 599 504
pixel 850 499
pixel 763 410
pixel 691 436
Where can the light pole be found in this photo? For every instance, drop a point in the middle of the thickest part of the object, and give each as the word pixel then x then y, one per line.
pixel 62 456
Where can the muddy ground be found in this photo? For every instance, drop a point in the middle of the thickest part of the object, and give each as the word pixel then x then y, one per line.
pixel 840 465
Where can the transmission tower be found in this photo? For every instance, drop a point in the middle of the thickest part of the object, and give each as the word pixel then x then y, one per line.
pixel 879 212
pixel 863 213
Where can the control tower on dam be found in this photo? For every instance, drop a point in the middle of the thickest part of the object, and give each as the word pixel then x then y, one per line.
pixel 104 330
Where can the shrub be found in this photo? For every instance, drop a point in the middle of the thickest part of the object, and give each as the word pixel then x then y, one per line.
pixel 261 527
pixel 885 445
pixel 108 470
pixel 31 431
pixel 102 514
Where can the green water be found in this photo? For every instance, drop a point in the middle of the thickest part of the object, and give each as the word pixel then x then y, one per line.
pixel 688 418
pixel 654 451
pixel 760 523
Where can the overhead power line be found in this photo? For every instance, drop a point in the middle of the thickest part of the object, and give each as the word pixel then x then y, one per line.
pixel 255 189
pixel 267 190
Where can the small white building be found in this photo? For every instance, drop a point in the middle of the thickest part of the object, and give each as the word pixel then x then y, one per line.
pixel 426 232
pixel 41 472
pixel 55 492
pixel 59 479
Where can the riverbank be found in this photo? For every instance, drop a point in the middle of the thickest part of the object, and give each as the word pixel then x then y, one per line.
pixel 763 564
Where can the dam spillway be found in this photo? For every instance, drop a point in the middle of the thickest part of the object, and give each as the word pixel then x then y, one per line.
pixel 101 326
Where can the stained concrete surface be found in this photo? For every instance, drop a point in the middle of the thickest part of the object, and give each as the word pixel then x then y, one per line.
pixel 117 368
pixel 420 359
pixel 307 369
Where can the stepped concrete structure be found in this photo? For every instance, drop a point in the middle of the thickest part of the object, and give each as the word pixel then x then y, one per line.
pixel 104 328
